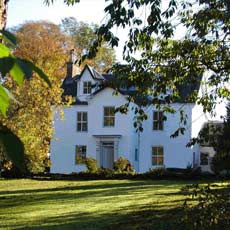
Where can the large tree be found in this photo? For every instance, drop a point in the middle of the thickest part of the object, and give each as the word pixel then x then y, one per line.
pixel 30 118
pixel 166 63
pixel 83 35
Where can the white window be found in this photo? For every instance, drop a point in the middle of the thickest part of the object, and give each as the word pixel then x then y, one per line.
pixel 82 122
pixel 204 158
pixel 80 154
pixel 158 121
pixel 109 116
pixel 87 87
pixel 157 156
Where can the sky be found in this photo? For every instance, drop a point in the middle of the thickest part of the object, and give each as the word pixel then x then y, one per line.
pixel 22 10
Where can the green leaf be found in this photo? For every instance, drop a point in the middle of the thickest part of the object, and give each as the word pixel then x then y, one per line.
pixel 9 37
pixel 13 146
pixel 4 100
pixel 17 74
pixel 25 67
pixel 6 63
pixel 4 51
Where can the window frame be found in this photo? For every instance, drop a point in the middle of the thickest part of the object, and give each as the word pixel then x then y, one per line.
pixel 109 117
pixel 81 122
pixel 158 123
pixel 157 155
pixel 87 87
pixel 82 154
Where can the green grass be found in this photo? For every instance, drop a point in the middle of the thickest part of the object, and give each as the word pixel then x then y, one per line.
pixel 104 204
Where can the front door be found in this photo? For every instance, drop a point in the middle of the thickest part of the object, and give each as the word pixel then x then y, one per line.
pixel 107 155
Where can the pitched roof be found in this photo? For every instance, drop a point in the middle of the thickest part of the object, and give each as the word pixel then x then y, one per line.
pixel 70 87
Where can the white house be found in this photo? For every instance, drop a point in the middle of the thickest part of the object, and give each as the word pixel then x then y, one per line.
pixel 91 129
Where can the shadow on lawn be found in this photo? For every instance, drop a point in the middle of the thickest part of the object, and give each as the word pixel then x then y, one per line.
pixel 143 219
pixel 157 215
pixel 128 185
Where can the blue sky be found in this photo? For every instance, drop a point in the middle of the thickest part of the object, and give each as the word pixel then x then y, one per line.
pixel 23 10
pixel 91 11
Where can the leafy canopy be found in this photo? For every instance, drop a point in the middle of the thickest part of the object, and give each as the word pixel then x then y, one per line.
pixel 163 62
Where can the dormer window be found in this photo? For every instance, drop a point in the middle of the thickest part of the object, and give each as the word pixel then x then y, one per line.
pixel 87 87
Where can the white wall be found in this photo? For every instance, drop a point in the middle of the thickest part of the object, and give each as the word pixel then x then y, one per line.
pixel 176 154
pixel 66 137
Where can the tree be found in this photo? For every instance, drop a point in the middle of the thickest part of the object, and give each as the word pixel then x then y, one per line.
pixel 221 159
pixel 18 69
pixel 30 118
pixel 83 35
pixel 166 63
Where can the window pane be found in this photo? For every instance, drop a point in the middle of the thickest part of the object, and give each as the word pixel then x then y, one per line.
pixel 155 116
pixel 84 116
pixel 106 111
pixel 160 151
pixel 78 126
pixel 154 160
pixel 160 115
pixel 160 160
pixel 112 111
pixel 160 125
pixel 106 121
pixel 154 151
pixel 155 125
pixel 79 116
pixel 84 126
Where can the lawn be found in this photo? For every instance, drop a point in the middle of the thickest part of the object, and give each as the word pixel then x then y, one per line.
pixel 102 204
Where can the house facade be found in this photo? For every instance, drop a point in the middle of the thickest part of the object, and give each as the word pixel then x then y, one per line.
pixel 91 128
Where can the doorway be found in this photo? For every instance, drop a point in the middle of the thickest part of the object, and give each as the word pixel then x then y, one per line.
pixel 107 155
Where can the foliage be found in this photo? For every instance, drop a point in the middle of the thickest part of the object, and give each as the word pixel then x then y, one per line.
pixel 123 165
pixel 82 36
pixel 169 64
pixel 212 209
pixel 91 165
pixel 18 68
pixel 68 2
pixel 30 118
pixel 221 160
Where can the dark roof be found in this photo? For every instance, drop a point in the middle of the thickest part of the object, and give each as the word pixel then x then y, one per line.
pixel 78 102
pixel 70 88
pixel 93 72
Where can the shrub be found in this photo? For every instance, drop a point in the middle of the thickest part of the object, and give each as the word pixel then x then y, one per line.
pixel 106 173
pixel 91 165
pixel 157 172
pixel 122 165
pixel 212 210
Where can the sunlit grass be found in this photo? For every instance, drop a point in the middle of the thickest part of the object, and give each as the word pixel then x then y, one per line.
pixel 104 204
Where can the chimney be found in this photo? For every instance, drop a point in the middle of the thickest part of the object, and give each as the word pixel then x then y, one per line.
pixel 69 73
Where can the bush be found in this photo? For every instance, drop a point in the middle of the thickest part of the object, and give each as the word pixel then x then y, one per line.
pixel 157 173
pixel 122 165
pixel 221 163
pixel 212 211
pixel 91 165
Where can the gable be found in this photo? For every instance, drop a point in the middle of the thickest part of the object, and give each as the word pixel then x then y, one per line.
pixel 107 96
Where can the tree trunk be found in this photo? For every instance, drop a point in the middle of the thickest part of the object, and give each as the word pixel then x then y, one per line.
pixel 3 13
